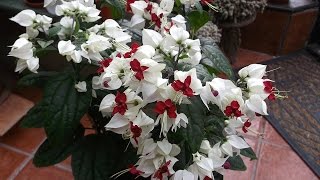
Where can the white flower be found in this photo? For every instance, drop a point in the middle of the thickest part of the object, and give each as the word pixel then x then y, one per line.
pixel 135 130
pixel 201 167
pixel 234 144
pixel 253 71
pixel 165 7
pixel 179 34
pixel 81 86
pixel 66 27
pixel 22 49
pixel 151 37
pixel 66 48
pixel 179 21
pixel 256 86
pixel 168 117
pixel 182 175
pixel 94 45
pixel 77 9
pixel 31 63
pixel 25 18
pixel 186 84
pixel 125 103
pixel 256 104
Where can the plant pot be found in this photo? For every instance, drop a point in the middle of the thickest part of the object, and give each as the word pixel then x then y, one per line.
pixel 278 1
pixel 240 24
pixel 34 3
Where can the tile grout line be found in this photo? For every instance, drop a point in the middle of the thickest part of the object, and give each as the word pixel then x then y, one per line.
pixel 259 147
pixel 63 167
pixel 16 172
pixel 14 149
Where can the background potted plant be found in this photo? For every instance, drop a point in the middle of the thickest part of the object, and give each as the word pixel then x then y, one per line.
pixel 232 15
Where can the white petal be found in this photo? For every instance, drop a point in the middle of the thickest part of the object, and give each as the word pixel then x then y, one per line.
pixel 24 18
pixel 66 47
pixel 137 22
pixel 81 86
pixel 118 124
pixel 107 103
pixel 179 34
pixel 237 142
pixel 151 37
pixel 164 147
pixel 183 175
pixel 256 104
pixel 33 64
pixel 227 148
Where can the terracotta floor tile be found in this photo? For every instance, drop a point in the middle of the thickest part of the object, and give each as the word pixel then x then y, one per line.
pixel 244 175
pixel 246 57
pixel 66 163
pixel 9 161
pixel 271 135
pixel 48 173
pixel 25 139
pixel 278 163
pixel 12 110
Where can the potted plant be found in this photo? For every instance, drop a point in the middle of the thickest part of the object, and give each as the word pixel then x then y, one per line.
pixel 34 3
pixel 230 16
pixel 156 107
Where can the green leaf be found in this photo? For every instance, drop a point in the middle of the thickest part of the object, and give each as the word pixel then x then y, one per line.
pixel 54 31
pixel 248 152
pixel 117 8
pixel 48 154
pixel 100 156
pixel 36 79
pixel 66 106
pixel 202 73
pixel 196 113
pixel 35 117
pixel 198 19
pixel 237 163
pixel 214 58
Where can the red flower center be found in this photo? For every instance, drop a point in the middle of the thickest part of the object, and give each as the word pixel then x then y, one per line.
pixel 245 126
pixel 162 170
pixel 268 87
pixel 183 86
pixel 207 178
pixel 156 19
pixel 233 109
pixel 121 106
pixel 136 131
pixel 134 171
pixel 103 64
pixel 168 106
pixel 138 69
pixel 134 48
pixel 128 7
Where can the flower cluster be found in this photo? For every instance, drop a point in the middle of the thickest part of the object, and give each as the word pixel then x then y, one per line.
pixel 146 86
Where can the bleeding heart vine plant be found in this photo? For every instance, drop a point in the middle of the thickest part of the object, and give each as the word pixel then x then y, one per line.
pixel 155 102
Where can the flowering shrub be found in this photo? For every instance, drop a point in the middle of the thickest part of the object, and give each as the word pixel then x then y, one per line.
pixel 158 109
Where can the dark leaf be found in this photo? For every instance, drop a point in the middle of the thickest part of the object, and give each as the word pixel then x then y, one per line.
pixel 100 156
pixel 237 163
pixel 35 117
pixel 66 106
pixel 49 154
pixel 248 152
pixel 197 19
pixel 36 79
pixel 214 58
pixel 196 112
